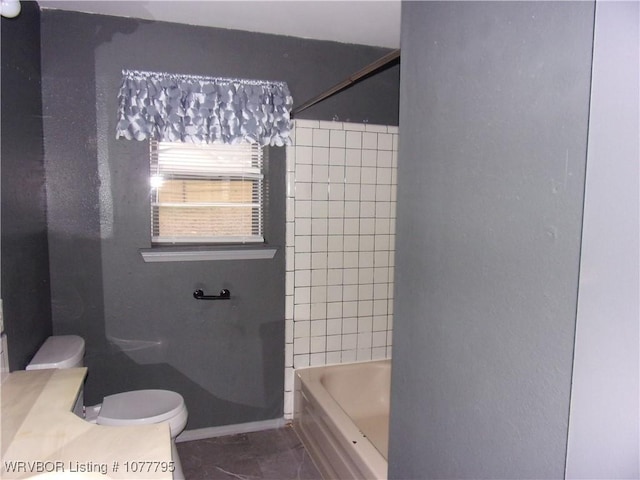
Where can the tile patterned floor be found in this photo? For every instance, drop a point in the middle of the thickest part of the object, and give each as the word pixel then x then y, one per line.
pixel 271 455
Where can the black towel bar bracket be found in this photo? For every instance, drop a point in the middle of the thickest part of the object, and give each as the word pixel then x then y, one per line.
pixel 224 295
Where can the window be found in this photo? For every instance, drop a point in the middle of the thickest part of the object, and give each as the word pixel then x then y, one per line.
pixel 205 194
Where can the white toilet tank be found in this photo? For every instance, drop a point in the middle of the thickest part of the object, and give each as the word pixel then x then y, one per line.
pixel 62 351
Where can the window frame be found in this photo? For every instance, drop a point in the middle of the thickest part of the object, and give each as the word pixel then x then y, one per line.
pixel 257 173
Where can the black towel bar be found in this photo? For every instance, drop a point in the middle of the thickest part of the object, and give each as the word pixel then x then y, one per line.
pixel 224 295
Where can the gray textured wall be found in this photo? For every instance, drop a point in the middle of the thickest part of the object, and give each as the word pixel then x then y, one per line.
pixel 25 256
pixel 143 328
pixel 494 110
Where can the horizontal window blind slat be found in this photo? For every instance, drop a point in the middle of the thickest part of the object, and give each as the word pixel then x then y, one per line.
pixel 205 205
pixel 210 175
pixel 220 239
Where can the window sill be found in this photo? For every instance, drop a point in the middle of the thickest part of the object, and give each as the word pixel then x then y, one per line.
pixel 198 254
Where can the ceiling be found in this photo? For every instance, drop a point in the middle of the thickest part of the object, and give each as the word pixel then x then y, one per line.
pixel 364 22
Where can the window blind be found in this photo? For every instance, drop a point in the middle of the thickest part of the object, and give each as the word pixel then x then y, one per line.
pixel 206 193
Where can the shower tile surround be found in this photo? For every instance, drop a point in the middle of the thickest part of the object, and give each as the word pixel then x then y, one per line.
pixel 341 212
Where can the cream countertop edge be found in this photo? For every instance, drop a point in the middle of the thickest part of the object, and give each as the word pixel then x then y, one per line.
pixel 38 426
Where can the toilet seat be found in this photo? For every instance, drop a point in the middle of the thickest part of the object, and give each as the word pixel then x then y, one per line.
pixel 141 407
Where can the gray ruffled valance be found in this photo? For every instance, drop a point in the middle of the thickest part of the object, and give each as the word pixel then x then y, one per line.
pixel 183 108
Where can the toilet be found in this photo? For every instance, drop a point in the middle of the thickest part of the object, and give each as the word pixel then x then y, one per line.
pixel 138 407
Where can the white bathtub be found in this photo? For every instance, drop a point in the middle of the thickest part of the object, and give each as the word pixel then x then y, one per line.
pixel 342 416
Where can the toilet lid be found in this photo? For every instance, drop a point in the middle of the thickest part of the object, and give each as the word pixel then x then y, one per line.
pixel 140 407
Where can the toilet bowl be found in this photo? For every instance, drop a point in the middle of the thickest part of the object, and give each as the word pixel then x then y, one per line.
pixel 138 407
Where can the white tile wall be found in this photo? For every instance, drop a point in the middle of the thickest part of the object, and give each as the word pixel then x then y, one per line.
pixel 341 204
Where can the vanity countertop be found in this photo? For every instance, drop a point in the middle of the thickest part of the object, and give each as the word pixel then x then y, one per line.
pixel 41 434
